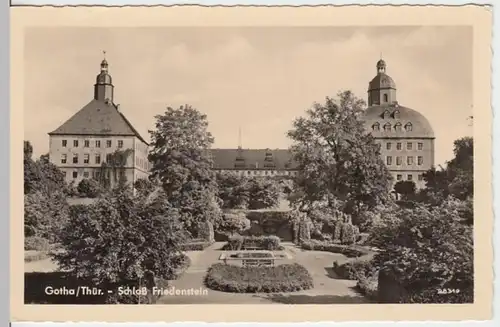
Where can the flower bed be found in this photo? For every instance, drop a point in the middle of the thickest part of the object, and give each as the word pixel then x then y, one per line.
pixel 235 279
pixel 348 251
pixel 238 242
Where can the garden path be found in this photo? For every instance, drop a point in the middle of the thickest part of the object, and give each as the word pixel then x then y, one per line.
pixel 327 289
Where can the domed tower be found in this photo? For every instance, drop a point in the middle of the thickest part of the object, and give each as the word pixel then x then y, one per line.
pixel 382 89
pixel 103 87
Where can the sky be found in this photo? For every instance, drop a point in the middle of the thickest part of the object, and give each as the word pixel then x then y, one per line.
pixel 255 78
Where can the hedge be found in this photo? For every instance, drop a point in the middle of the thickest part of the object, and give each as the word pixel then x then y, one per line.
pixel 346 250
pixel 353 269
pixel 195 246
pixel 237 242
pixel 35 243
pixel 237 279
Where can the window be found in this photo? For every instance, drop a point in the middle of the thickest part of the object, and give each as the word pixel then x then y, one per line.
pixel 64 143
pixel 410 177
pixel 97 144
pixel 97 174
pixel 75 143
pixel 75 158
pixel 399 160
pixel 108 143
pixel 387 114
pixel 387 127
pixel 389 161
pixel 108 157
pixel 398 146
pixel 64 158
pixel 420 146
pixel 86 143
pixel 399 177
pixel 388 145
pixel 409 146
pixel 75 174
pixel 409 127
pixel 420 160
pixel 420 177
pixel 120 143
pixel 86 174
pixel 98 159
pixel 409 161
pixel 396 114
pixel 86 158
pixel 65 173
pixel 376 127
pixel 397 127
pixel 386 98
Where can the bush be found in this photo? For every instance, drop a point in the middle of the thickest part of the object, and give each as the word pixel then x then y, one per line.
pixel 236 279
pixel 124 240
pixel 348 233
pixel 234 223
pixel 348 251
pixel 35 256
pixel 368 286
pixel 89 188
pixel 237 242
pixel 36 243
pixel 353 269
pixel 195 246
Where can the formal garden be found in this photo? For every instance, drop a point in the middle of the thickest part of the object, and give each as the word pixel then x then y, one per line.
pixel 332 234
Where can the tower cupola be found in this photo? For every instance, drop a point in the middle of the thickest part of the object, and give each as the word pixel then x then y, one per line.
pixel 103 87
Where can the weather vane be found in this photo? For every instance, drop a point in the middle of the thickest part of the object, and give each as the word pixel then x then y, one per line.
pixel 104 53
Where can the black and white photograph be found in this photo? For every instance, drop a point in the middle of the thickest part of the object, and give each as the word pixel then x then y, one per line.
pixel 290 165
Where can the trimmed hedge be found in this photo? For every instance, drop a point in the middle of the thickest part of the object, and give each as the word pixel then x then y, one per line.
pixel 195 246
pixel 237 242
pixel 346 250
pixel 236 279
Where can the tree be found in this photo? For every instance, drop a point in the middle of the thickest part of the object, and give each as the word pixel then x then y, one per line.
pixel 233 191
pixel 456 180
pixel 89 188
pixel 181 163
pixel 427 249
pixel 337 159
pixel 144 186
pixel 264 193
pixel 45 206
pixel 405 188
pixel 123 240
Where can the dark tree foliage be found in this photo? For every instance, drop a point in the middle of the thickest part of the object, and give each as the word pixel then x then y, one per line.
pixel 337 159
pixel 406 188
pixel 182 165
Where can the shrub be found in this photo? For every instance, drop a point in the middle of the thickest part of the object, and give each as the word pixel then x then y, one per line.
pixel 195 246
pixel 348 251
pixel 89 188
pixel 348 233
pixel 236 279
pixel 36 243
pixel 353 269
pixel 35 256
pixel 122 240
pixel 237 242
pixel 234 223
pixel 304 231
pixel 368 286
pixel 206 231
pixel 337 228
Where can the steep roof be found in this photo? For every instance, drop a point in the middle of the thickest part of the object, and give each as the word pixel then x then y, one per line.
pixel 421 128
pixel 98 118
pixel 253 158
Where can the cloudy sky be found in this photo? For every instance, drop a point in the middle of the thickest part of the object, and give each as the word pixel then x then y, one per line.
pixel 256 78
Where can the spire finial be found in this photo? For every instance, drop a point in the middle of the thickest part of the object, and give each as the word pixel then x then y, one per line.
pixel 104 54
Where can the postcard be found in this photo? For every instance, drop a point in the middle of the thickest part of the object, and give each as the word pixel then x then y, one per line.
pixel 273 164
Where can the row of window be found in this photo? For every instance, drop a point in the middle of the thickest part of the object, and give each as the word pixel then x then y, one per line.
pixel 95 174
pixel 86 143
pixel 409 146
pixel 409 177
pixel 409 160
pixel 144 164
pixel 265 172
pixel 386 113
pixel 397 127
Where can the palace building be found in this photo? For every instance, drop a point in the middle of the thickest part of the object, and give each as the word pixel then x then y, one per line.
pixel 81 145
pixel 405 136
pixel 254 162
